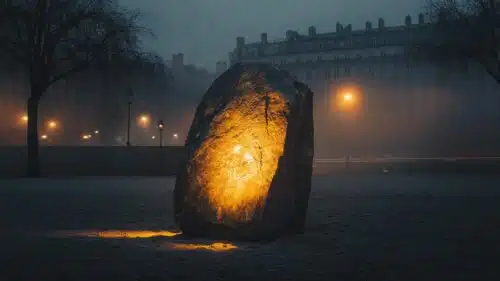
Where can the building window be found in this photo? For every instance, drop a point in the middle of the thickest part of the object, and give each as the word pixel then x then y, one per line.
pixel 308 75
pixel 359 71
pixel 370 71
pixel 336 73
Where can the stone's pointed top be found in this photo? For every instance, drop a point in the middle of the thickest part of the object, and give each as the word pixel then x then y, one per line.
pixel 255 75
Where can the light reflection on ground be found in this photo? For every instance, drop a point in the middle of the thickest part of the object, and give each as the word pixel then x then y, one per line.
pixel 141 234
pixel 133 234
pixel 214 247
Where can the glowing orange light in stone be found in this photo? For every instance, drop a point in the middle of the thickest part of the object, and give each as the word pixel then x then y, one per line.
pixel 238 160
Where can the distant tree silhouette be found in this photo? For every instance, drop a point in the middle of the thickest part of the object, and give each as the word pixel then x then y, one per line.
pixel 464 30
pixel 55 39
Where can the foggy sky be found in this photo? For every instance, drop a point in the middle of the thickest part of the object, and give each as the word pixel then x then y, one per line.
pixel 206 30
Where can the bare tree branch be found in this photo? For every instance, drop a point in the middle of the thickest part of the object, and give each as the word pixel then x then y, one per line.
pixel 465 30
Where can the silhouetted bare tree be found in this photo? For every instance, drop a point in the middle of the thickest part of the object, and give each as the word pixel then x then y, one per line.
pixel 465 30
pixel 55 39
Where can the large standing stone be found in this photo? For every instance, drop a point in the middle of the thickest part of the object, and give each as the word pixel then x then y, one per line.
pixel 249 157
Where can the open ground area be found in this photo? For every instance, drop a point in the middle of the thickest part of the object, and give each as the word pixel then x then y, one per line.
pixel 360 227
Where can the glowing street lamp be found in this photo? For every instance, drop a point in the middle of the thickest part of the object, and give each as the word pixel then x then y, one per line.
pixel 44 136
pixel 347 99
pixel 86 137
pixel 23 119
pixel 52 124
pixel 144 120
pixel 175 136
pixel 161 126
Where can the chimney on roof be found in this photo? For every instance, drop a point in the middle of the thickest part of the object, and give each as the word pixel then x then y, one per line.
pixel 408 20
pixel 421 18
pixel 381 23
pixel 312 31
pixel 240 42
pixel 339 27
pixel 263 38
pixel 368 26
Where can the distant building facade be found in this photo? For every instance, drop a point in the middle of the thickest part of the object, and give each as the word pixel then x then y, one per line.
pixel 410 105
pixel 189 85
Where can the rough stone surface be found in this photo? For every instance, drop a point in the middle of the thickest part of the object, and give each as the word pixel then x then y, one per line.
pixel 248 170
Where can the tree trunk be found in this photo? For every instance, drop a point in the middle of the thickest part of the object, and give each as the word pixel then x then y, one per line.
pixel 33 164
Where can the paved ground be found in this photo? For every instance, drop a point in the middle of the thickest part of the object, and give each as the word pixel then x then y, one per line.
pixel 373 227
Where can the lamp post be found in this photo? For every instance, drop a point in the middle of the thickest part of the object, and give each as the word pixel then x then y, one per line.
pixel 129 121
pixel 347 102
pixel 161 126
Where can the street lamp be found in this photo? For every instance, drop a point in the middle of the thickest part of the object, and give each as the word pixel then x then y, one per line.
pixel 144 120
pixel 44 136
pixel 161 126
pixel 52 124
pixel 24 119
pixel 348 102
pixel 348 97
pixel 129 107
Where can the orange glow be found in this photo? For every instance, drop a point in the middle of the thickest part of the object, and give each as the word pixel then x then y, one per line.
pixel 52 124
pixel 235 169
pixel 132 234
pixel 86 136
pixel 24 118
pixel 144 120
pixel 144 234
pixel 214 247
pixel 44 137
pixel 347 99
